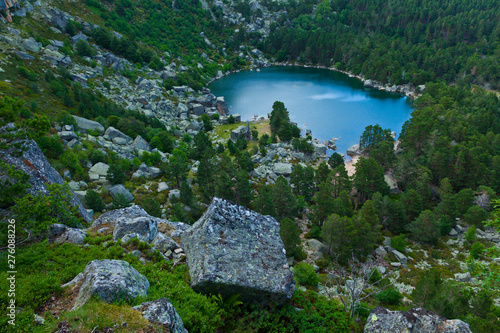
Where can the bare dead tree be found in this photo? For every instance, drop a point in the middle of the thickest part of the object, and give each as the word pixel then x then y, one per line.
pixel 353 283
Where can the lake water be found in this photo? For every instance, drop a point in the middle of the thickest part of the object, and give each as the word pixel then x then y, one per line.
pixel 331 104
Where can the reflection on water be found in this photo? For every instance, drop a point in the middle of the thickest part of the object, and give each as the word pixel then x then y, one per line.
pixel 329 103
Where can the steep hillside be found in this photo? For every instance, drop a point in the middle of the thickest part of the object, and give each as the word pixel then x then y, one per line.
pixel 112 147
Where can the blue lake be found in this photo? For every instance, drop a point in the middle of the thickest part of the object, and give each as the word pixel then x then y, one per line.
pixel 331 104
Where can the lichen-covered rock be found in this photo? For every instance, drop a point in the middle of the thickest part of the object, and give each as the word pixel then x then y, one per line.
pixel 143 226
pixel 86 124
pixel 110 281
pixel 119 189
pixel 416 320
pixel 114 215
pixel 162 312
pixel 60 233
pixel 32 161
pixel 172 229
pixel 233 250
pixel 164 243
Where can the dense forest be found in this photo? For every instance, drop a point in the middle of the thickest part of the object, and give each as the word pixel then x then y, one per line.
pixel 446 161
pixel 420 41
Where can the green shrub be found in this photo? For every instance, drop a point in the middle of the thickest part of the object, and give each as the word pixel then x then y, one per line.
pixel 121 201
pixel 304 274
pixel 93 201
pixel 152 207
pixel 399 242
pixel 51 147
pixel 390 296
pixel 115 174
pixel 38 212
pixel 97 156
pixel 476 250
pixel 470 234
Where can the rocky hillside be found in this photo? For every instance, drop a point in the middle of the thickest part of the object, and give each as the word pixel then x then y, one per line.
pixel 140 204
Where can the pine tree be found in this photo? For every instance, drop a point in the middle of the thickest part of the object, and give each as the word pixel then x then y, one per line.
pixel 284 201
pixel 243 194
pixel 324 204
pixel 264 203
pixel 290 235
pixel 369 179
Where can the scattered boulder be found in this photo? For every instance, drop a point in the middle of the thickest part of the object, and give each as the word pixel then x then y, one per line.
pixel 86 125
pixel 117 136
pixel 143 226
pixel 100 169
pixel 32 161
pixel 162 312
pixel 233 250
pixel 120 189
pixel 109 280
pixel 354 150
pixel 465 277
pixel 164 243
pixel 317 245
pixel 141 144
pixel 283 169
pixel 416 320
pixel 60 233
pixel 401 257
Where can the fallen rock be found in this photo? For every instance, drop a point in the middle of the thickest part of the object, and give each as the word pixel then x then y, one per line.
pixel 233 250
pixel 282 169
pixel 110 281
pixel 116 190
pixel 86 125
pixel 100 169
pixel 143 226
pixel 116 135
pixel 162 312
pixel 317 245
pixel 416 320
pixel 60 233
pixel 163 243
pixel 32 161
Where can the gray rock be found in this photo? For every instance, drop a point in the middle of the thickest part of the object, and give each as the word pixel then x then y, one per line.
pixel 141 144
pixel 128 237
pixel 233 250
pixel 86 125
pixel 78 37
pixel 465 277
pixel 418 320
pixel 120 189
pixel 401 257
pixel 174 193
pixel 162 187
pixel 380 251
pixel 32 45
pixel 33 162
pixel 24 56
pixel 60 233
pixel 453 233
pixel 154 172
pixel 162 312
pixel 163 243
pixel 143 226
pixel 67 135
pixel 110 281
pixel 282 169
pixel 354 150
pixel 100 169
pixel 319 148
pixel 317 245
pixel 113 133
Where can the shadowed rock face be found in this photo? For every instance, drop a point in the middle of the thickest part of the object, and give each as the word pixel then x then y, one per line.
pixel 33 162
pixel 233 250
pixel 109 280
pixel 416 320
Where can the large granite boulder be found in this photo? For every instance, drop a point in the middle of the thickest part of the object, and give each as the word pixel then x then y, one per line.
pixel 110 281
pixel 60 233
pixel 416 320
pixel 110 219
pixel 86 125
pixel 117 137
pixel 32 161
pixel 283 169
pixel 143 226
pixel 162 312
pixel 233 250
pixel 119 189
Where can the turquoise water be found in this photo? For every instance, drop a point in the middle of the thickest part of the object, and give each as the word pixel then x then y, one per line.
pixel 331 104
